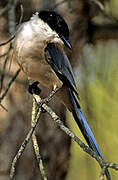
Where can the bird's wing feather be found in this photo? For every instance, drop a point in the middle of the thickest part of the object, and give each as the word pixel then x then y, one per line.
pixel 60 64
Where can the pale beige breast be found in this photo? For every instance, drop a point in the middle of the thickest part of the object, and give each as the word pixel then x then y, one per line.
pixel 29 47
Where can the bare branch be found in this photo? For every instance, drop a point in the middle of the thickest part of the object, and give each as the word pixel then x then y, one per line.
pixel 21 17
pixel 36 111
pixel 4 10
pixel 98 3
pixel 9 85
pixel 23 146
pixel 35 143
pixel 102 163
pixel 62 2
pixel 4 68
pixel 13 36
pixel 8 41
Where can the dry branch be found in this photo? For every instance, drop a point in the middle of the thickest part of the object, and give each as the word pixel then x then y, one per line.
pixel 37 104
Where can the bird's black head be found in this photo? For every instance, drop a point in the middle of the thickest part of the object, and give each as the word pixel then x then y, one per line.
pixel 57 24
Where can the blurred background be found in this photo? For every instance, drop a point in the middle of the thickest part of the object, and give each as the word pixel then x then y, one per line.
pixel 94 37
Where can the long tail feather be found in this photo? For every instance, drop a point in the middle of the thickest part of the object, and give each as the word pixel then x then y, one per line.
pixel 85 129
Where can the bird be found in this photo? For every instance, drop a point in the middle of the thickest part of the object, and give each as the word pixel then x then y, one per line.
pixel 39 50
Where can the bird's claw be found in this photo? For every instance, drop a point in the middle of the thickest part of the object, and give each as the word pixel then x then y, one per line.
pixel 34 89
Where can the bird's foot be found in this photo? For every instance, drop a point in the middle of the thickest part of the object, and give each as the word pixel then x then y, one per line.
pixel 34 89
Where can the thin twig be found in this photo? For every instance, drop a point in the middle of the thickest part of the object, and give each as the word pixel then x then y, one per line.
pixel 8 41
pixel 35 143
pixel 21 17
pixel 58 4
pixel 13 36
pixel 62 2
pixel 9 85
pixel 4 10
pixel 23 146
pixel 2 55
pixel 4 68
pixel 99 4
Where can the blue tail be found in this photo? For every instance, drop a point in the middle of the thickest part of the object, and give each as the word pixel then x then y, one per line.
pixel 85 129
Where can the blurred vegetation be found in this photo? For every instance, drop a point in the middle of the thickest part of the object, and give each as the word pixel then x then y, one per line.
pixel 97 77
pixel 98 90
pixel 113 6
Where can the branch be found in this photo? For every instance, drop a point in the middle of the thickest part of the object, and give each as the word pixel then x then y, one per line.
pixel 13 36
pixel 8 41
pixel 35 143
pixel 4 10
pixel 36 111
pixel 9 85
pixel 4 68
pixel 62 2
pixel 99 4
pixel 25 142
pixel 103 164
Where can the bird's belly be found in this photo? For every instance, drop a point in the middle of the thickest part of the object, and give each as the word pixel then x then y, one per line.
pixel 41 72
pixel 31 59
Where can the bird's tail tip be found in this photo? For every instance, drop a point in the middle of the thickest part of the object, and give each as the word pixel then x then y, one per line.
pixel 85 129
pixel 88 135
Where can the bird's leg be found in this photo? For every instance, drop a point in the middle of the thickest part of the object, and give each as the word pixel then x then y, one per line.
pixel 34 89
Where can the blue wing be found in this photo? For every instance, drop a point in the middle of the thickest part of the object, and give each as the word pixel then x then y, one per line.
pixel 61 65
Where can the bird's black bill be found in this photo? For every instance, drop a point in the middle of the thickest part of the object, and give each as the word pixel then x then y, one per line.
pixel 66 42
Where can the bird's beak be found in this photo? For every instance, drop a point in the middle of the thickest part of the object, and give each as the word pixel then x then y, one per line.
pixel 66 42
